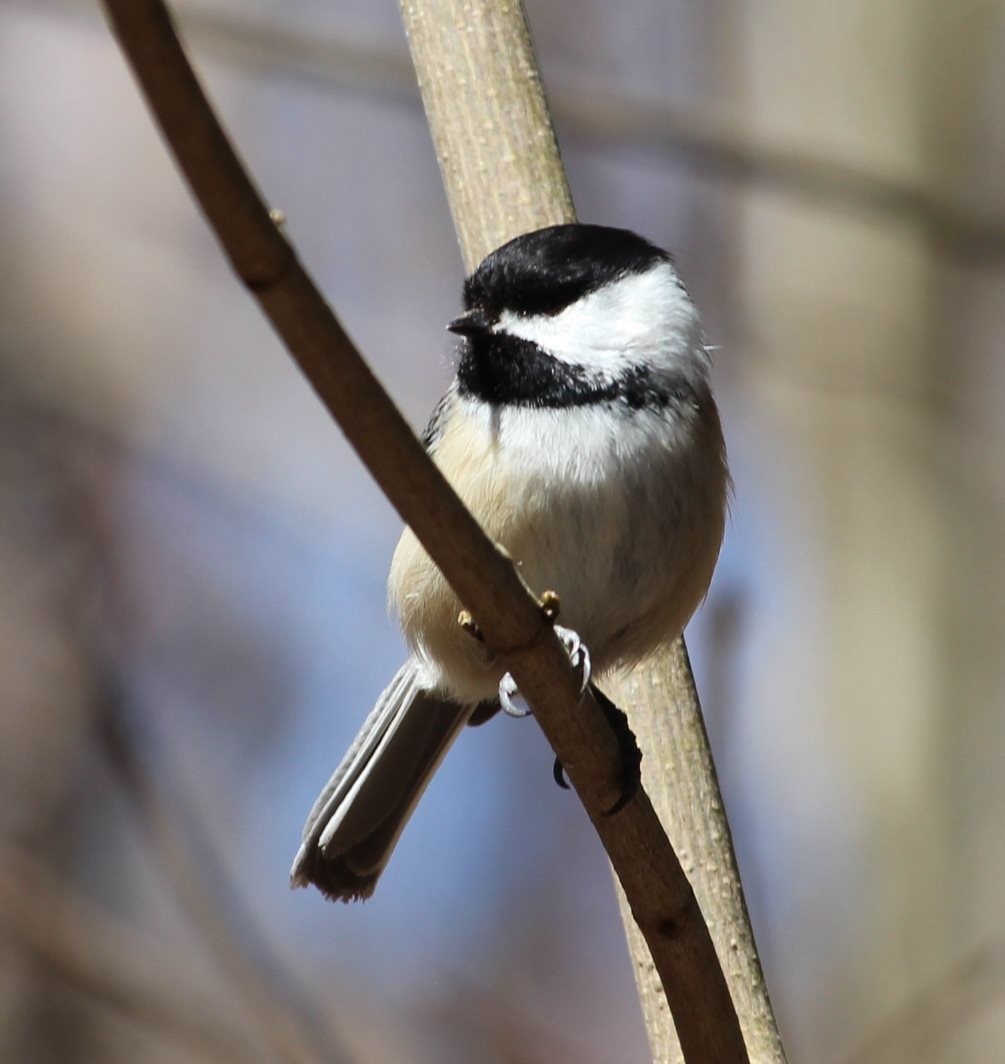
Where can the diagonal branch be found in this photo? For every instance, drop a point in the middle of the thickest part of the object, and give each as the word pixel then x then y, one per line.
pixel 483 578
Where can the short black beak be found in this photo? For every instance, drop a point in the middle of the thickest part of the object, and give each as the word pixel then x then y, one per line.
pixel 470 323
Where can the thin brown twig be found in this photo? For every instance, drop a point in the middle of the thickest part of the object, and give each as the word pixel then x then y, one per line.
pixel 108 960
pixel 484 579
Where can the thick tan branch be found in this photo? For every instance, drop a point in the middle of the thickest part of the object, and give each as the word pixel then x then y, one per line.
pixel 503 175
pixel 661 898
pixel 679 775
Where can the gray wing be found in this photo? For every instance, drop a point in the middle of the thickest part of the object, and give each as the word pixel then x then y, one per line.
pixel 438 418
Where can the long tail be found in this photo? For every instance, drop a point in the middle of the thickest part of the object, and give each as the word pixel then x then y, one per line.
pixel 357 819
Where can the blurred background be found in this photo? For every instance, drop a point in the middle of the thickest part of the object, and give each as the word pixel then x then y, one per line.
pixel 192 562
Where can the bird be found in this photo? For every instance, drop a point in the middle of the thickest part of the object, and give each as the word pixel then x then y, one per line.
pixel 581 431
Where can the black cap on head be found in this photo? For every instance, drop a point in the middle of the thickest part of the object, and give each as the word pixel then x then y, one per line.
pixel 544 271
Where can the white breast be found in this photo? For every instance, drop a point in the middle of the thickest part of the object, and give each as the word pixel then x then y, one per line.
pixel 619 512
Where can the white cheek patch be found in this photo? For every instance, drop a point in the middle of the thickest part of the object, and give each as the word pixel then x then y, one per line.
pixel 640 317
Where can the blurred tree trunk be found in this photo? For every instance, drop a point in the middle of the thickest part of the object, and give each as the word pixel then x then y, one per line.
pixel 962 86
pixel 842 310
pixel 46 689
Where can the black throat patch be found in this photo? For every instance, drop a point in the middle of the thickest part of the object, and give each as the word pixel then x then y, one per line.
pixel 507 370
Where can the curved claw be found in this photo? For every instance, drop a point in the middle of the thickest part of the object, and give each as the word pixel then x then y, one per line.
pixel 579 653
pixel 507 692
pixel 559 773
pixel 631 755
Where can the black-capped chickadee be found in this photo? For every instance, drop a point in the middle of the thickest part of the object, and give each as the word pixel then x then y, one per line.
pixel 581 432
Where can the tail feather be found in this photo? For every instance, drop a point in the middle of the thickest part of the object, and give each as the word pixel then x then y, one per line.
pixel 359 816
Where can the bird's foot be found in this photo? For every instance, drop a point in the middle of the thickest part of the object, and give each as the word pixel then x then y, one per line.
pixel 578 653
pixel 467 622
pixel 631 755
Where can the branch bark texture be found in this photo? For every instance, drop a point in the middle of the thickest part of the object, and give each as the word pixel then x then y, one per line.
pixel 660 897
pixel 661 700
pixel 489 120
